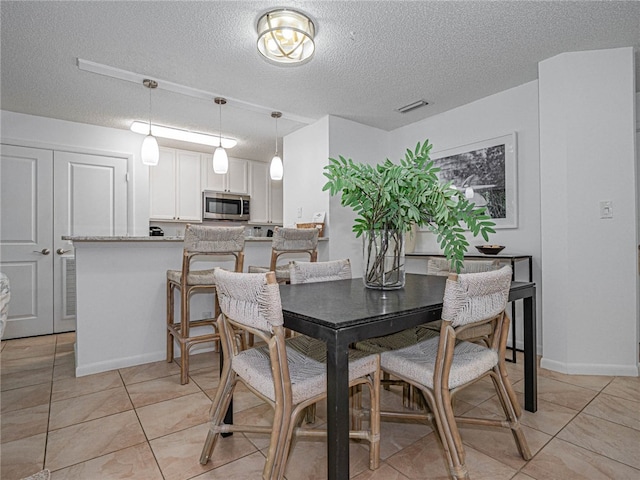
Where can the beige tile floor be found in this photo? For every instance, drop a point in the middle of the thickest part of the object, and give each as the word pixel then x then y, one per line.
pixel 140 423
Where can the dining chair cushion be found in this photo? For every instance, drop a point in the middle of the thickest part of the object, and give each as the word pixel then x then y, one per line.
pixel 404 338
pixel 417 362
pixel 195 277
pixel 308 375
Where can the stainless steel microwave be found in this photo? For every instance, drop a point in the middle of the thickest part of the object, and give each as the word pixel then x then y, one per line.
pixel 225 206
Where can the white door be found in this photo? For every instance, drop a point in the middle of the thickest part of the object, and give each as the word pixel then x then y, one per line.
pixel 26 234
pixel 89 193
pixel 90 200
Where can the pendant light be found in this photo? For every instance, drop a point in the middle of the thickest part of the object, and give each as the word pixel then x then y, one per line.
pixel 220 159
pixel 276 170
pixel 150 153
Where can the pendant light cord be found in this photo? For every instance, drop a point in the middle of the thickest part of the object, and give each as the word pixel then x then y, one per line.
pixel 276 136
pixel 150 84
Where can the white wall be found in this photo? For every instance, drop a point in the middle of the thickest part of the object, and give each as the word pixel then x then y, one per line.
pixel 305 154
pixel 49 133
pixel 513 110
pixel 590 264
pixel 365 145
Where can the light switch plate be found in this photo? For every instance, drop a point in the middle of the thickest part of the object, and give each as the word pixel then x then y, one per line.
pixel 606 209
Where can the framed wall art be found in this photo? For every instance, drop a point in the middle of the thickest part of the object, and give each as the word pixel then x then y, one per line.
pixel 486 172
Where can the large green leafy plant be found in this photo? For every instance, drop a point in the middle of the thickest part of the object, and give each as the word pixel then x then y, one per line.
pixel 392 197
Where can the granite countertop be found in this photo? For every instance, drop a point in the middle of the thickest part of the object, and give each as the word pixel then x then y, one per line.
pixel 126 238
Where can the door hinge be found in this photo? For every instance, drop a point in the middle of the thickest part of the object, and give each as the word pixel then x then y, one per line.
pixel 126 177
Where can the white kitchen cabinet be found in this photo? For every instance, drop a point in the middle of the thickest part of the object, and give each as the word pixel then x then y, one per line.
pixel 266 195
pixel 236 180
pixel 276 205
pixel 174 187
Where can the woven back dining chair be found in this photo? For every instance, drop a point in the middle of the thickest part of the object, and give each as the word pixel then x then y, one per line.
pixel 200 243
pixel 411 397
pixel 442 366
pixel 442 266
pixel 312 272
pixel 287 242
pixel 284 372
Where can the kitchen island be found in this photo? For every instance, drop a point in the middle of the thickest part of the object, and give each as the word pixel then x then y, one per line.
pixel 121 296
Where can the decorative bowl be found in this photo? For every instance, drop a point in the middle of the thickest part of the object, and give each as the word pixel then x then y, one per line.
pixel 490 249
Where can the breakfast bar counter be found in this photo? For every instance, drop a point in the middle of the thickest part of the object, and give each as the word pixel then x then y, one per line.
pixel 121 296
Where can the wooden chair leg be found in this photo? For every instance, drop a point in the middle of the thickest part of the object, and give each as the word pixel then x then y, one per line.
pixel 170 313
pixel 356 407
pixel 184 363
pixel 452 443
pixel 285 447
pixel 512 413
pixel 374 422
pixel 218 410
pixel 273 466
pixel 310 414
pixel 185 315
pixel 385 376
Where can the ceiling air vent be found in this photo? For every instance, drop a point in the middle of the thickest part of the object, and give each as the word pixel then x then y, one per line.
pixel 413 106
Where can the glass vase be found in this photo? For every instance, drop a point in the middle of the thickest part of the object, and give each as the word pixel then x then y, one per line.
pixel 383 259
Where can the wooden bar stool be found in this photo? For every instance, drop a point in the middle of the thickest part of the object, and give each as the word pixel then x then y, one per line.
pixel 208 244
pixel 289 241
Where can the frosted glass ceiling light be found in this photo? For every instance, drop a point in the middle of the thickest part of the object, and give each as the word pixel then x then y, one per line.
pixel 150 153
pixel 276 170
pixel 286 36
pixel 220 159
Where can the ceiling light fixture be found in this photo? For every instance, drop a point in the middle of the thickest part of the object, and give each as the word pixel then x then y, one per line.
pixel 413 106
pixel 220 159
pixel 276 170
pixel 183 135
pixel 150 153
pixel 286 36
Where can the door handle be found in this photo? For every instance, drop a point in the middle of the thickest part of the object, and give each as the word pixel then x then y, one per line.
pixel 44 251
pixel 62 251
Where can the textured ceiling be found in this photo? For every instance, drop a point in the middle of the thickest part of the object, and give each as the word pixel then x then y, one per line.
pixel 371 58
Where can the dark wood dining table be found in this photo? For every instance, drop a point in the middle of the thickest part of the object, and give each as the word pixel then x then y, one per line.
pixel 345 311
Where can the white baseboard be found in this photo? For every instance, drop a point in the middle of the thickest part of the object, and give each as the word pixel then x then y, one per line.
pixel 114 364
pixel 590 368
pixel 99 367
